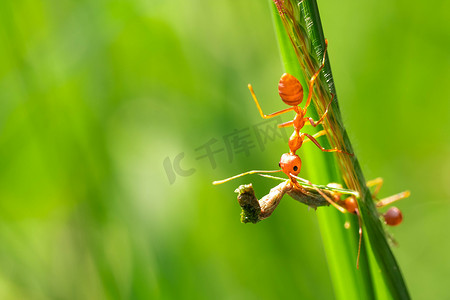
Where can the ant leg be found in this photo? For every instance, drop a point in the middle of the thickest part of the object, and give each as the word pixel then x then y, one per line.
pixel 286 124
pixel 318 134
pixel 392 199
pixel 378 183
pixel 313 78
pixel 260 110
pixel 338 207
pixel 322 148
pixel 360 237
pixel 314 124
pixel 342 210
pixel 242 174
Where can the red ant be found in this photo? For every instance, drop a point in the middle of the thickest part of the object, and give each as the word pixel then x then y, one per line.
pixel 291 92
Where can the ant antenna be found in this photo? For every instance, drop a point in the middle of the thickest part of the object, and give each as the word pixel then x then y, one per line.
pixel 243 174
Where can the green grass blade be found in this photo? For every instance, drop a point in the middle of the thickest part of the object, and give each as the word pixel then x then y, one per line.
pixel 379 274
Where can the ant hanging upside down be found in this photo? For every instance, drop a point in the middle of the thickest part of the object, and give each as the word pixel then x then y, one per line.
pixel 291 92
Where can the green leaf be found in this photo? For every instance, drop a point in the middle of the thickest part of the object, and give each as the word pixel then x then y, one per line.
pixel 302 44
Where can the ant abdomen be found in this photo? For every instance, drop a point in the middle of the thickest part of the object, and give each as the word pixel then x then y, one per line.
pixel 290 90
pixel 393 216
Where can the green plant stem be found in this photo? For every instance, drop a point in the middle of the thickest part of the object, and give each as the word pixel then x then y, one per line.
pixel 302 44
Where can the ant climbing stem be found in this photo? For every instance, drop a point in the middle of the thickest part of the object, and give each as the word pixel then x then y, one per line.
pixel 291 92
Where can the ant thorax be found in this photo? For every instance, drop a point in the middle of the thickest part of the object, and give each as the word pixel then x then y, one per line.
pixel 299 120
pixel 295 142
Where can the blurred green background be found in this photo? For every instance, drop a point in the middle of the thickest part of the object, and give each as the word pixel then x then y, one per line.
pixel 109 109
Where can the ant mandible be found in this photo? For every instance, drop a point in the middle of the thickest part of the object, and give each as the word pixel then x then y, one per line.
pixel 291 92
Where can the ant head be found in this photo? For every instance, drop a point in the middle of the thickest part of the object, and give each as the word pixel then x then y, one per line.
pixel 290 164
pixel 290 90
pixel 393 216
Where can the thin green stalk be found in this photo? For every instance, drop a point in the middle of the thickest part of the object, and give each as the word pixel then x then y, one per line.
pixel 302 44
